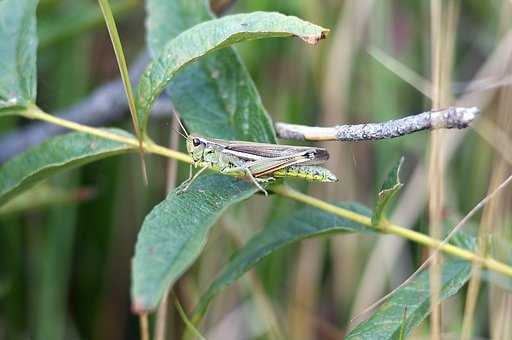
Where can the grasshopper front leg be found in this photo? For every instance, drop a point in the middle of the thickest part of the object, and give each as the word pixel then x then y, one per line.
pixel 186 184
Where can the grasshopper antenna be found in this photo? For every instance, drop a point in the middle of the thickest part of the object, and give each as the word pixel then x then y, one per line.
pixel 181 134
pixel 186 135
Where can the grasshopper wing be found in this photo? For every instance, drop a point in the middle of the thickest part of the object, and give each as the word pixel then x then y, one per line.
pixel 258 151
pixel 266 166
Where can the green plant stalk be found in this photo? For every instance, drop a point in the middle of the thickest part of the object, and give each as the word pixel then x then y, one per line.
pixel 34 112
pixel 390 228
pixel 123 69
pixel 191 329
pixel 385 226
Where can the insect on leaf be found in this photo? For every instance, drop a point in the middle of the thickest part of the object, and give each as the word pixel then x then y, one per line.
pixel 389 189
pixel 235 112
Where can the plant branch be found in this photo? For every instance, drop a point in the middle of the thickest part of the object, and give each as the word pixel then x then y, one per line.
pixel 449 118
pixel 34 112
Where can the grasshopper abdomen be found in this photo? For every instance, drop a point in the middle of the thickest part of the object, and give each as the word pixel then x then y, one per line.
pixel 311 173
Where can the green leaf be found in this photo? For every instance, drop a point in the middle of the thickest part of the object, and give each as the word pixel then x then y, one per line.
pixel 174 233
pixel 388 321
pixel 56 154
pixel 305 223
pixel 208 37
pixel 18 45
pixel 234 113
pixel 388 190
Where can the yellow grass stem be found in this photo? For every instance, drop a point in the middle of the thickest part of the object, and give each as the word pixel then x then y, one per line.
pixel 33 112
pixel 144 326
pixel 394 229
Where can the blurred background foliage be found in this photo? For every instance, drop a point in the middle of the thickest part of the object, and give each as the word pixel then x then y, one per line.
pixel 65 254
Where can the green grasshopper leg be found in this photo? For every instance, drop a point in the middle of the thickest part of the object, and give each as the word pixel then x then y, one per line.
pixel 246 170
pixel 226 163
pixel 186 184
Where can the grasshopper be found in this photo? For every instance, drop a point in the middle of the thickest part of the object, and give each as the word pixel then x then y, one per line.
pixel 259 162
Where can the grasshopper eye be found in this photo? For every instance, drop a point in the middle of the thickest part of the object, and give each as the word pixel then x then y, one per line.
pixel 196 142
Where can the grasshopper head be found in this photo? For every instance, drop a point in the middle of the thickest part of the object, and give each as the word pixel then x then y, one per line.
pixel 195 147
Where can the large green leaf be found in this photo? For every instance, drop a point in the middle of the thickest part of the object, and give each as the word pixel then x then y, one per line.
pixel 196 90
pixel 305 223
pixel 388 321
pixel 174 233
pixel 208 37
pixel 389 189
pixel 56 154
pixel 18 45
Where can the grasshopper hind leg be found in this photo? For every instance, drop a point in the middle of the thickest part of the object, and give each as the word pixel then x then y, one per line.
pixel 256 181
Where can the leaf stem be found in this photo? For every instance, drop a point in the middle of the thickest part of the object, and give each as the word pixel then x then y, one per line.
pixel 144 327
pixel 33 112
pixel 394 229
